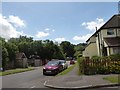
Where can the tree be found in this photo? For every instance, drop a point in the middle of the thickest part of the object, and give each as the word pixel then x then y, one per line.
pixel 12 50
pixel 3 53
pixel 25 39
pixel 25 48
pixel 57 53
pixel 78 49
pixel 67 49
pixel 4 58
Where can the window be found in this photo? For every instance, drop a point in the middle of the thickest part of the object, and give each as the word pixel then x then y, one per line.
pixel 110 32
pixel 116 50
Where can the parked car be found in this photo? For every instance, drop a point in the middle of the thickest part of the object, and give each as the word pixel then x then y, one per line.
pixel 52 67
pixel 64 64
pixel 72 61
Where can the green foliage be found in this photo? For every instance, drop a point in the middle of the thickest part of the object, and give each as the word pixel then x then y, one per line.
pixel 99 65
pixel 46 49
pixel 4 58
pixel 67 49
pixel 78 49
pixel 95 57
pixel 114 56
pixel 24 47
pixel 113 79
pixel 13 71
pixel 67 70
pixel 80 65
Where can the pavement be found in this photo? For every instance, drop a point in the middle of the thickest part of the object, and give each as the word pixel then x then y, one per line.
pixel 73 81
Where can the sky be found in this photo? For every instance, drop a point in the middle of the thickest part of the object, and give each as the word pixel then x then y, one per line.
pixel 57 21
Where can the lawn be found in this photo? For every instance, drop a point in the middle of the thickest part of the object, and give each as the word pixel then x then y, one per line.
pixel 113 79
pixel 13 71
pixel 67 70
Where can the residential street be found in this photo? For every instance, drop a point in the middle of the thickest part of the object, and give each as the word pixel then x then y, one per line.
pixel 30 79
pixel 35 79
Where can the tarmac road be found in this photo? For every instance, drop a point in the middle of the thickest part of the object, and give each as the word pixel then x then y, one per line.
pixel 30 79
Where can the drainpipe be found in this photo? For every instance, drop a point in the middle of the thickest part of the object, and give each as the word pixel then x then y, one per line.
pixel 116 32
pixel 98 42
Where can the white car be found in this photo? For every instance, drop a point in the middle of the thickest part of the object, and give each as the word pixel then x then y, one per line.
pixel 64 64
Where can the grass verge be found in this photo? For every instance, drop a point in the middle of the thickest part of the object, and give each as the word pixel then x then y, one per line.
pixel 113 79
pixel 13 71
pixel 67 70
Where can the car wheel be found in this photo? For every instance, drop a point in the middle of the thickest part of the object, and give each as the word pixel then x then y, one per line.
pixel 44 73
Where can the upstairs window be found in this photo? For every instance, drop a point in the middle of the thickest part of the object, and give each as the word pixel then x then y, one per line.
pixel 110 32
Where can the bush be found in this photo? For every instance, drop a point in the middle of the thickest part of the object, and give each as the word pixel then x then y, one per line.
pixel 100 65
pixel 80 65
pixel 95 57
pixel 114 56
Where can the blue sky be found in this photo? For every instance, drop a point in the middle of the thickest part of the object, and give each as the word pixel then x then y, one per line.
pixel 71 21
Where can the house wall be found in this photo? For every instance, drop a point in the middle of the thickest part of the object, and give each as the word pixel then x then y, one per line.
pixel 90 50
pixel 109 51
pixel 25 63
pixel 92 39
pixel 103 34
pixel 118 32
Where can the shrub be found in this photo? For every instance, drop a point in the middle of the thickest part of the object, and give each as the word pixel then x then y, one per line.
pixel 114 56
pixel 95 57
pixel 80 65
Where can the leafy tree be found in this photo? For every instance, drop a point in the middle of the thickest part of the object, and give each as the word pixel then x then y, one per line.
pixel 4 58
pixel 67 49
pixel 24 47
pixel 57 53
pixel 25 39
pixel 3 54
pixel 78 49
pixel 12 50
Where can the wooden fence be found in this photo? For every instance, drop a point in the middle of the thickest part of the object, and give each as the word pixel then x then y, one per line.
pixel 100 66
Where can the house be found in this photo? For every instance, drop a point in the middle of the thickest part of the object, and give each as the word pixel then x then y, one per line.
pixel 35 61
pixel 21 60
pixel 106 40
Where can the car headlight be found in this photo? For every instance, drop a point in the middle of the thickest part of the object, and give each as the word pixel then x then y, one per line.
pixel 43 67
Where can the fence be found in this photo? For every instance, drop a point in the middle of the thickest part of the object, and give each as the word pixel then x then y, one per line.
pixel 100 66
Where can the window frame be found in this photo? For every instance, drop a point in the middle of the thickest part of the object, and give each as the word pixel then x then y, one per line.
pixel 110 32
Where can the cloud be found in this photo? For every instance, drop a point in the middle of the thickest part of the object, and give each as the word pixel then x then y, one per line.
pixel 53 30
pixel 93 24
pixel 82 38
pixel 60 39
pixel 7 30
pixel 16 21
pixel 49 30
pixel 42 34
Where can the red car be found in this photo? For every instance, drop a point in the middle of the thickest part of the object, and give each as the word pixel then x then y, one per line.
pixel 52 68
pixel 72 61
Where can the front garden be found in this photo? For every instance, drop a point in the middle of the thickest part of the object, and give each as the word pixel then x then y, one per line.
pixel 99 65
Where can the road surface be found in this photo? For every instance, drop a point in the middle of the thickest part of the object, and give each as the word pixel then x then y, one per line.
pixel 30 79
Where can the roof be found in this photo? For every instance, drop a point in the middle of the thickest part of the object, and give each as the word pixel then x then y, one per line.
pixel 113 22
pixel 114 41
pixel 20 55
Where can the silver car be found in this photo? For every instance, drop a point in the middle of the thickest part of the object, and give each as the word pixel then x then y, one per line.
pixel 64 64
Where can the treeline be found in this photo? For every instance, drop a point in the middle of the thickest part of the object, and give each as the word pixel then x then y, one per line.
pixel 45 49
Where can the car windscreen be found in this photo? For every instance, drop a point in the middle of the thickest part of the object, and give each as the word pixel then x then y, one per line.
pixel 62 61
pixel 52 63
